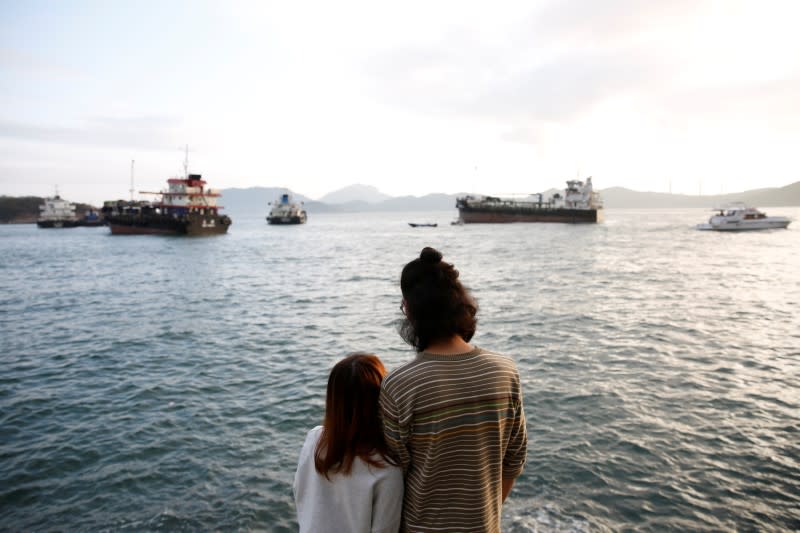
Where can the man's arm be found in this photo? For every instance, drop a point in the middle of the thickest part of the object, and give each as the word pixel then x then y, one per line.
pixel 395 434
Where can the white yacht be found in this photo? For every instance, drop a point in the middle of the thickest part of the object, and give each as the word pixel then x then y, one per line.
pixel 740 217
pixel 286 211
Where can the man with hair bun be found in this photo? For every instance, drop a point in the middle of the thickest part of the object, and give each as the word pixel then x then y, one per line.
pixel 453 416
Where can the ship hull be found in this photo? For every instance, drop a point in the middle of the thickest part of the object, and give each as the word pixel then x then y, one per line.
pixel 277 220
pixel 58 223
pixel 168 225
pixel 745 226
pixel 487 215
pixel 91 223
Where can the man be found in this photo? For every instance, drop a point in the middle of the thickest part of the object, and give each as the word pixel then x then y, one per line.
pixel 453 416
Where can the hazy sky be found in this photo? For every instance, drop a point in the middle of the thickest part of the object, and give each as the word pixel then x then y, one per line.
pixel 411 97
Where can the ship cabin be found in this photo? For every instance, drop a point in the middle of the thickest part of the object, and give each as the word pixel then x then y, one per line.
pixel 187 195
pixel 581 196
pixel 56 208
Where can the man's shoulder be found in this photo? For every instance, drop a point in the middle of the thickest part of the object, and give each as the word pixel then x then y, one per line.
pixel 499 358
pixel 402 373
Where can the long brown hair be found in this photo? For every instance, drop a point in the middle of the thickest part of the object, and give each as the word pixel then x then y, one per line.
pixel 352 426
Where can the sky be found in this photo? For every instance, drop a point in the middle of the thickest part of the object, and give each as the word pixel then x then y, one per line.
pixel 692 97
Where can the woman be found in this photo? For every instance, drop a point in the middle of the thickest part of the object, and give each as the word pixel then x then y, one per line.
pixel 345 479
pixel 452 416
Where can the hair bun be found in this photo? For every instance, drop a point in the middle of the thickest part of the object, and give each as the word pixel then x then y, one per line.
pixel 430 255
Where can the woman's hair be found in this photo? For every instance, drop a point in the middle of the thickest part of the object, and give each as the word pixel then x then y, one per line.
pixel 435 303
pixel 352 426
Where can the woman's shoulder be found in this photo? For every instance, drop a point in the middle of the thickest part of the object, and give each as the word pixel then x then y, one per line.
pixel 387 471
pixel 312 436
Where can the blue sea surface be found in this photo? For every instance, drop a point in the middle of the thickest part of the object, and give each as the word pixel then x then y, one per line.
pixel 167 383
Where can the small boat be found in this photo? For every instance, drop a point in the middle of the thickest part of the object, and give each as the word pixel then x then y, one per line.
pixel 91 219
pixel 57 213
pixel 422 225
pixel 740 217
pixel 286 211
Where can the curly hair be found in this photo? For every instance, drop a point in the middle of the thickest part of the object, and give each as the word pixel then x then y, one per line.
pixel 435 303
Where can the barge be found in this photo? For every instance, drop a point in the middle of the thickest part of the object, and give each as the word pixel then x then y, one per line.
pixel 579 204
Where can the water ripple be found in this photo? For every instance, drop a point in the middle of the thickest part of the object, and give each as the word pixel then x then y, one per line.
pixel 167 384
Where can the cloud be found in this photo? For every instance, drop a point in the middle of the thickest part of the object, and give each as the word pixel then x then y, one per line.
pixel 608 23
pixel 20 61
pixel 551 65
pixel 671 62
pixel 148 133
pixel 562 90
pixel 776 100
pixel 463 77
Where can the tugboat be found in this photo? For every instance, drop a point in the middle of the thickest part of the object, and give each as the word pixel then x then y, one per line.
pixel 91 219
pixel 57 213
pixel 186 208
pixel 578 204
pixel 286 211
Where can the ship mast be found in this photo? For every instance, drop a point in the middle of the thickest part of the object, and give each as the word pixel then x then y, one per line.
pixel 186 164
pixel 132 162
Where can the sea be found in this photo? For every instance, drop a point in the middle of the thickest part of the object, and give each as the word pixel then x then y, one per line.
pixel 167 383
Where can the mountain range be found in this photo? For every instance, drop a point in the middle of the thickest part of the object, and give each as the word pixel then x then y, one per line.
pixel 358 198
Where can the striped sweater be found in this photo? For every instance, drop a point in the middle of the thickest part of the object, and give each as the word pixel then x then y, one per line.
pixel 457 426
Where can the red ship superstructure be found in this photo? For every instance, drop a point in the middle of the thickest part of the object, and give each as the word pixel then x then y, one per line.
pixel 188 195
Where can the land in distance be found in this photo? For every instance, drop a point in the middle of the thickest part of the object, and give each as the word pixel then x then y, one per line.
pixel 361 198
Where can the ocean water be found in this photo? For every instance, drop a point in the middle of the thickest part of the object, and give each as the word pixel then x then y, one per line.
pixel 163 383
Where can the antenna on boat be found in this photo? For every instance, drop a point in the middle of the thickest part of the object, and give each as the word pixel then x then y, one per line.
pixel 186 163
pixel 132 163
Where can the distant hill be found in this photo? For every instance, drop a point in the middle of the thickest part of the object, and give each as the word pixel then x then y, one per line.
pixel 355 193
pixel 620 197
pixel 254 200
pixel 24 209
pixel 429 202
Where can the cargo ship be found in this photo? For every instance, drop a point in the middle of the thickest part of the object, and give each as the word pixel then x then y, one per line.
pixel 186 208
pixel 286 211
pixel 578 204
pixel 57 213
